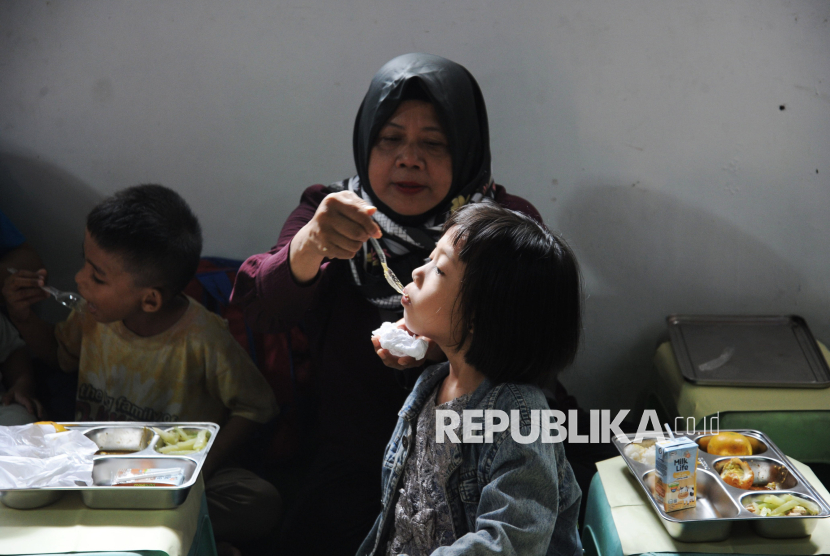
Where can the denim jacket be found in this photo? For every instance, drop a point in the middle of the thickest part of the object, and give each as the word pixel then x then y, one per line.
pixel 504 497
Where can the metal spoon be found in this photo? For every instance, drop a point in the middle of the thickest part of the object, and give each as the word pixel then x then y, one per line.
pixel 388 274
pixel 67 299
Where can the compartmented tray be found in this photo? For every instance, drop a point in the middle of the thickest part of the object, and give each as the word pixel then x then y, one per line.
pixel 719 504
pixel 762 351
pixel 124 445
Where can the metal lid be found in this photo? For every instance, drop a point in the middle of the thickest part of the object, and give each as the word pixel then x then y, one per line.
pixel 764 351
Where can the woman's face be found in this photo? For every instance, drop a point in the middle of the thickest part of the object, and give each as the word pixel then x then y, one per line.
pixel 410 167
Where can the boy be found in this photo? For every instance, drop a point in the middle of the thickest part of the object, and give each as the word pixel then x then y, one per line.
pixel 19 406
pixel 146 352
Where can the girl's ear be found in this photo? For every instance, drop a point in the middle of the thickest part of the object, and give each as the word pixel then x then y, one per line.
pixel 152 300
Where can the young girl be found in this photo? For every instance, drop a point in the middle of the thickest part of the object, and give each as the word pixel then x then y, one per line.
pixel 500 295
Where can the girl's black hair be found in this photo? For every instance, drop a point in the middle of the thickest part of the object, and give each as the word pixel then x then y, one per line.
pixel 520 297
pixel 154 232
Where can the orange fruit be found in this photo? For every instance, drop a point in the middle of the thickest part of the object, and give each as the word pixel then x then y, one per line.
pixel 729 443
pixel 58 428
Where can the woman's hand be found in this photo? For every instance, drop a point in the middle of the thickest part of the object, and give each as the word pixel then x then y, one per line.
pixel 342 223
pixel 21 290
pixel 434 353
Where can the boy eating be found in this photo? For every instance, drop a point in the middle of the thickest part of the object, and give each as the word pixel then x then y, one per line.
pixel 146 352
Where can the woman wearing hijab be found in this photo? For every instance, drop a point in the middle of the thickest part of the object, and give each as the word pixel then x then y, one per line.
pixel 422 149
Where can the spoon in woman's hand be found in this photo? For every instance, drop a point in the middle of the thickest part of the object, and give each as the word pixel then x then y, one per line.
pixel 388 274
pixel 67 299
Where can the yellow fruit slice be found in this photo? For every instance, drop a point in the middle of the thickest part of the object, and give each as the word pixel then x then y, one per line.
pixel 58 428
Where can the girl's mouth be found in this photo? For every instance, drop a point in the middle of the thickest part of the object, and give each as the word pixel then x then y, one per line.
pixel 409 187
pixel 405 301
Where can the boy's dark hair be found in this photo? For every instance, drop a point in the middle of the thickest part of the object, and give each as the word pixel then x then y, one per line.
pixel 155 233
pixel 520 297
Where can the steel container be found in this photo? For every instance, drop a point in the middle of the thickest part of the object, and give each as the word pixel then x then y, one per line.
pixel 124 445
pixel 719 505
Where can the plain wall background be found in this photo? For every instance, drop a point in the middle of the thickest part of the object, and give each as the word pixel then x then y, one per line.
pixel 680 147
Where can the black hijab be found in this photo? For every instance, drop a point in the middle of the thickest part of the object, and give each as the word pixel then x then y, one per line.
pixel 460 108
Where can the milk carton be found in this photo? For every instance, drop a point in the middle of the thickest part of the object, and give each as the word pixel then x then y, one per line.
pixel 675 465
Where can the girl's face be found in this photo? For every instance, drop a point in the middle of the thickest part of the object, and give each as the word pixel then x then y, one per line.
pixel 410 167
pixel 429 300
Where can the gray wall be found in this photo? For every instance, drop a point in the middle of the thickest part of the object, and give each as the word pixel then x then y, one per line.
pixel 680 147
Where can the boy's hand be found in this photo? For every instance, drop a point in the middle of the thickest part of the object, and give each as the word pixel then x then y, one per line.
pixel 21 290
pixel 434 353
pixel 32 405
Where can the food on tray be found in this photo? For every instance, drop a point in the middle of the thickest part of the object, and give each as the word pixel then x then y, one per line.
pixel 641 453
pixel 778 475
pixel 58 427
pixel 179 442
pixel 173 476
pixel 758 447
pixel 784 505
pixel 737 473
pixel 728 443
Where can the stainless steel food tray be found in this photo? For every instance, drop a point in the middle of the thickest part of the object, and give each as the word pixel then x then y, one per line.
pixel 124 445
pixel 719 505
pixel 765 351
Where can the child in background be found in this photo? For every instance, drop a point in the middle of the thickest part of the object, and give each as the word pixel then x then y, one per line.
pixel 500 295
pixel 20 406
pixel 146 352
pixel 18 379
pixel 15 251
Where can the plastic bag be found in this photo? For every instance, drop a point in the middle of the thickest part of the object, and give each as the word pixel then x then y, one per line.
pixel 35 456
